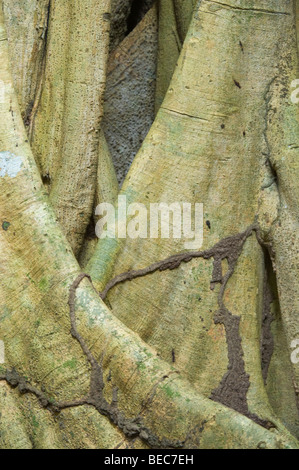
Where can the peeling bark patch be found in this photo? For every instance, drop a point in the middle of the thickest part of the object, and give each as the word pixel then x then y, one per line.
pixel 10 164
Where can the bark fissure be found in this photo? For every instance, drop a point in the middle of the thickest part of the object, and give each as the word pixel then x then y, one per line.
pixel 267 340
pixel 172 111
pixel 30 117
pixel 257 10
pixel 138 9
pixel 267 99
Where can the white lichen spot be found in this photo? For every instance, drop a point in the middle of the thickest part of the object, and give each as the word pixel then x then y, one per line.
pixel 10 164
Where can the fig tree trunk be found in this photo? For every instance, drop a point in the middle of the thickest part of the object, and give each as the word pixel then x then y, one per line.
pixel 140 342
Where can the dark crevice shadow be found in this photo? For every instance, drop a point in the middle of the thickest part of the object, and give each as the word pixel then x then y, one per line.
pixel 138 9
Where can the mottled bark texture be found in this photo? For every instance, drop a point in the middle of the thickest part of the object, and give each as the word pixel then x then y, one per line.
pixel 181 349
pixel 130 93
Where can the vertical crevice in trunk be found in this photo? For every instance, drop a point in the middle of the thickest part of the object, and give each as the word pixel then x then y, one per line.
pixel 29 118
pixel 125 16
pixel 138 9
pixel 130 91
pixel 267 340
pixel 66 128
pixel 27 28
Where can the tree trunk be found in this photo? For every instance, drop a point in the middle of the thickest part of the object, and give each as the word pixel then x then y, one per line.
pixel 187 348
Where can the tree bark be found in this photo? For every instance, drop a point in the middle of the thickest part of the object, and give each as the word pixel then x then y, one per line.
pixel 196 356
